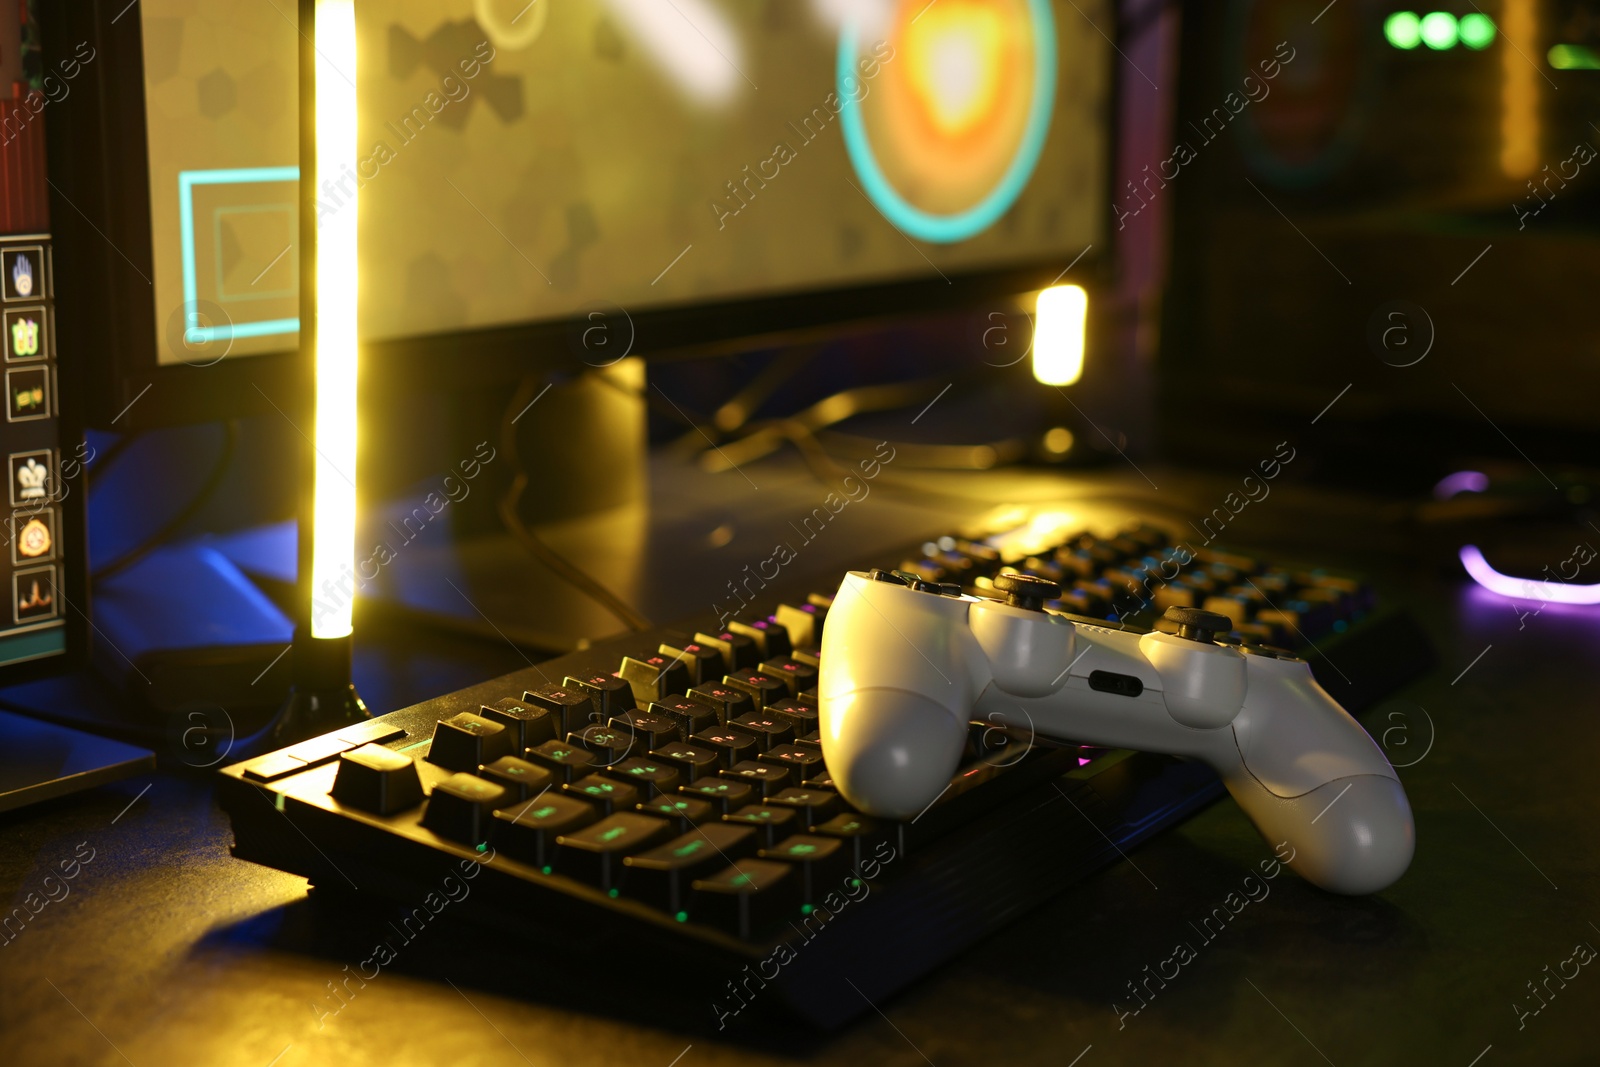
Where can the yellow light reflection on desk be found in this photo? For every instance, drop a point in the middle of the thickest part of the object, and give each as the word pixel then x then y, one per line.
pixel 1060 320
pixel 334 511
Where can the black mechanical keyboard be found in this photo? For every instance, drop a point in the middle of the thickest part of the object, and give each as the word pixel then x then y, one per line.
pixel 665 794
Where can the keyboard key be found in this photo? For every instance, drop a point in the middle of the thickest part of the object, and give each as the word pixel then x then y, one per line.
pixel 747 899
pixel 725 795
pixel 459 808
pixel 519 777
pixel 594 854
pixel 691 715
pixel 821 780
pixel 377 780
pixel 768 730
pixel 566 760
pixel 770 638
pixel 794 674
pixel 605 793
pixel 801 714
pixel 737 649
pixel 611 695
pixel 371 732
pixel 731 746
pixel 766 778
pixel 802 760
pixel 466 741
pixel 650 777
pixel 528 831
pixel 608 744
pixel 1235 608
pixel 654 677
pixel 813 805
pixel 528 722
pixel 771 824
pixel 819 861
pixel 692 760
pixel 859 835
pixel 802 622
pixel 758 685
pixel 572 705
pixel 684 813
pixel 726 701
pixel 652 728
pixel 663 875
pixel 703 662
pixel 810 655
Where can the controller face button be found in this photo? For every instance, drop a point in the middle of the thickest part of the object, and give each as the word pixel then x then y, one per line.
pixel 1123 685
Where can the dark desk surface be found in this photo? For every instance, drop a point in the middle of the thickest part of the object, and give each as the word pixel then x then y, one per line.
pixel 165 950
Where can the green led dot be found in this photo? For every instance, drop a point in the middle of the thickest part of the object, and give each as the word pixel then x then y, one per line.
pixel 1439 30
pixel 805 909
pixel 682 916
pixel 1476 30
pixel 546 870
pixel 1403 30
pixel 855 883
pixel 484 847
pixel 612 893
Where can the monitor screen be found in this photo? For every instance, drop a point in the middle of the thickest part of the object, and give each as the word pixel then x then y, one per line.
pixel 526 161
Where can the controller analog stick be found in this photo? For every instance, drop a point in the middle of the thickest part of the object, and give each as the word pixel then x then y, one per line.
pixel 1193 624
pixel 1026 591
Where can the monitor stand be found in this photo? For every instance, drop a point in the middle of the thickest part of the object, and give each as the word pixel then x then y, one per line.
pixel 40 761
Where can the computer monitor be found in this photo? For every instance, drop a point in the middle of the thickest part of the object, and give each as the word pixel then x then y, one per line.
pixel 681 176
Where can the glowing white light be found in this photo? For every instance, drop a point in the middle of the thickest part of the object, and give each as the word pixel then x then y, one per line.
pixel 692 42
pixel 334 497
pixel 1060 321
pixel 873 18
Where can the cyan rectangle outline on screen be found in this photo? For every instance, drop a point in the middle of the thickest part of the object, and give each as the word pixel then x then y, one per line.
pixel 187 180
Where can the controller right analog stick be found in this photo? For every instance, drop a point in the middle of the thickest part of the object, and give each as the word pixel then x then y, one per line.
pixel 1026 591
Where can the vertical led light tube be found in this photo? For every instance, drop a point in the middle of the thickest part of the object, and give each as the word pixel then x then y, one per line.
pixel 334 501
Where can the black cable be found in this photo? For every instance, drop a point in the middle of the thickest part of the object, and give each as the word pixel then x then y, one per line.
pixel 201 498
pixel 94 470
pixel 557 563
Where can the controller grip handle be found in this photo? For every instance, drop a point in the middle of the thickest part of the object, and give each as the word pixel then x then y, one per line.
pixel 1352 835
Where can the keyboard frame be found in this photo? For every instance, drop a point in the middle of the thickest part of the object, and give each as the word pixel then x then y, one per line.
pixel 966 868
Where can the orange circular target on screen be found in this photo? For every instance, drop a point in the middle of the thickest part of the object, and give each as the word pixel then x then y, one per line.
pixel 947 133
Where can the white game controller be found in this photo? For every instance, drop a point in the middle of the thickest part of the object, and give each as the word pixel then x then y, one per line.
pixel 906 665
